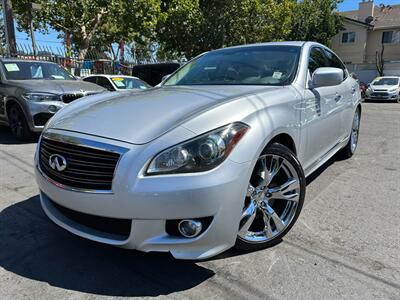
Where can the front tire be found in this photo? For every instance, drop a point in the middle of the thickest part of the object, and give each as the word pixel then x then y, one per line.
pixel 18 124
pixel 274 199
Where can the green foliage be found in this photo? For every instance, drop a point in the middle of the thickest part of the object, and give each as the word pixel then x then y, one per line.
pixel 2 29
pixel 192 27
pixel 316 20
pixel 93 23
pixel 183 27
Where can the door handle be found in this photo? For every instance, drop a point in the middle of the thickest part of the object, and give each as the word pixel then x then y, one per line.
pixel 353 90
pixel 338 97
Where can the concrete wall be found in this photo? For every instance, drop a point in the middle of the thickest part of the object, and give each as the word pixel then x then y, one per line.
pixel 374 42
pixel 351 52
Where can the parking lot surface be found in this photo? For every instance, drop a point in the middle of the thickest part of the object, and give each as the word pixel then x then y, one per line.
pixel 345 245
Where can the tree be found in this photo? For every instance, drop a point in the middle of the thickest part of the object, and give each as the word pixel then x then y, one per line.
pixel 2 30
pixel 379 60
pixel 93 23
pixel 191 27
pixel 316 20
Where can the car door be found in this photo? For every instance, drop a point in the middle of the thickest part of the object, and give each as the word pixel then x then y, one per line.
pixel 348 92
pixel 320 114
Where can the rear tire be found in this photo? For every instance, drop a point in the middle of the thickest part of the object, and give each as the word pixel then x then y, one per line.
pixel 18 124
pixel 350 148
pixel 274 200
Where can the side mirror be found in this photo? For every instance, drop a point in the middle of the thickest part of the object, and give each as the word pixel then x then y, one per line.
pixel 165 77
pixel 327 77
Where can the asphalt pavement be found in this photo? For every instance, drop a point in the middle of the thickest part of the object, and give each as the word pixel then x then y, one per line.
pixel 345 245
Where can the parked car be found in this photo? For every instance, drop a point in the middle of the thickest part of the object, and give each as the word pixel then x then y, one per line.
pixel 154 73
pixel 384 88
pixel 216 156
pixel 118 83
pixel 31 92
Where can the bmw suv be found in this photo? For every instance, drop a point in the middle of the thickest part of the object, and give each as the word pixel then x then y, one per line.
pixel 31 92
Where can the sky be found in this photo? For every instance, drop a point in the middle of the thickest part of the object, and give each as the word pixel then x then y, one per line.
pixel 52 41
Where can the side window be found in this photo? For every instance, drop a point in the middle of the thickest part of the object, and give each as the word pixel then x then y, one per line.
pixel 316 59
pixel 334 61
pixel 104 82
pixel 90 79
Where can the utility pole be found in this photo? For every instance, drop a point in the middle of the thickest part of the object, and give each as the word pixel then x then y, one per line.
pixel 31 8
pixel 9 28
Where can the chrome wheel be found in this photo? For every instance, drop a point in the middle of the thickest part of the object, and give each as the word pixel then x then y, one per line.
pixel 272 199
pixel 354 132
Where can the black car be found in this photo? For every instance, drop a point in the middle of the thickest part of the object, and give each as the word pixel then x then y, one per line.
pixel 154 73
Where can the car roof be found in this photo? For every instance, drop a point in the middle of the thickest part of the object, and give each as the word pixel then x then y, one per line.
pixel 112 76
pixel 10 59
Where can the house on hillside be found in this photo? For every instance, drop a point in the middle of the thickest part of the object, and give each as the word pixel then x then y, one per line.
pixel 366 31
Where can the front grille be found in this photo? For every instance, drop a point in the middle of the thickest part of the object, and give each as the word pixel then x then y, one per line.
pixel 68 98
pixel 119 228
pixel 87 168
pixel 379 94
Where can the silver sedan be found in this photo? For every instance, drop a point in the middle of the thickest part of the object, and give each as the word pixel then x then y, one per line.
pixel 216 156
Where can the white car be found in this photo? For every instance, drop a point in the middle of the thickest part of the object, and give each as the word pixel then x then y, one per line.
pixel 215 157
pixel 118 83
pixel 384 88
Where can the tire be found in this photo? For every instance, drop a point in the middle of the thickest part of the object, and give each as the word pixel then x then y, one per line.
pixel 350 148
pixel 281 196
pixel 18 124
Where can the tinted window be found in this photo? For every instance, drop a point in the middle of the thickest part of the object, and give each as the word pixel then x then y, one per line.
pixel 104 82
pixel 25 70
pixel 90 79
pixel 255 65
pixel 334 62
pixel 316 60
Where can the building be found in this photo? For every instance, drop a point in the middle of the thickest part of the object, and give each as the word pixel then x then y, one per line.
pixel 366 31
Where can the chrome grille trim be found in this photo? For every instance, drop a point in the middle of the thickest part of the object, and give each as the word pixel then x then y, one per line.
pixel 86 143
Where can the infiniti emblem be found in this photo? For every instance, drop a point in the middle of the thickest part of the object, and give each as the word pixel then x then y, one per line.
pixel 57 162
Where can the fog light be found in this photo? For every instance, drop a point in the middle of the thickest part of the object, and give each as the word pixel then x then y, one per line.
pixel 189 228
pixel 52 108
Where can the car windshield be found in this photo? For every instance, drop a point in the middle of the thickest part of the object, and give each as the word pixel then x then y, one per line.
pixel 386 81
pixel 126 83
pixel 255 65
pixel 25 70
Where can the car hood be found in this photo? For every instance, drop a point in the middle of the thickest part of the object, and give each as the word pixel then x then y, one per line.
pixel 57 86
pixel 383 87
pixel 140 117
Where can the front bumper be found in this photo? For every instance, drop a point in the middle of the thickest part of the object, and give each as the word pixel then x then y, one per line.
pixel 382 95
pixel 149 201
pixel 38 113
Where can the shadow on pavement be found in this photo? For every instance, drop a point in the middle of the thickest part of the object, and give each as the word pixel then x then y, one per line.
pixel 6 137
pixel 33 247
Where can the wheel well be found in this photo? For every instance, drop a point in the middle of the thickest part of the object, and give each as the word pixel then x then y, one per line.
pixel 285 140
pixel 10 103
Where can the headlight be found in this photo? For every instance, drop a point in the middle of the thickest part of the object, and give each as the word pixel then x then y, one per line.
pixel 393 90
pixel 39 97
pixel 202 153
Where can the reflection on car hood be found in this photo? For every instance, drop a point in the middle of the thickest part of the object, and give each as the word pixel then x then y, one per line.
pixel 57 86
pixel 139 117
